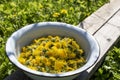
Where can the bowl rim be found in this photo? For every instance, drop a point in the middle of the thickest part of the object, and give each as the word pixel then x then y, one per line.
pixel 44 74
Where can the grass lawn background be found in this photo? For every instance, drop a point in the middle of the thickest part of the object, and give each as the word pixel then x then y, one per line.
pixel 15 14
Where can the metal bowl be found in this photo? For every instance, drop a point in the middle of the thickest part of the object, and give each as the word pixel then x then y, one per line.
pixel 26 34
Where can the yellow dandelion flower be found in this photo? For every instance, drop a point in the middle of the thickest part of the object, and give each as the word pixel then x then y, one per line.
pixel 21 60
pixel 58 45
pixel 50 37
pixel 81 51
pixel 64 44
pixel 44 59
pixel 50 53
pixel 56 14
pixel 27 54
pixel 71 62
pixel 75 44
pixel 59 64
pixel 69 68
pixel 30 58
pixel 43 70
pixel 63 11
pixel 72 55
pixel 33 62
pixel 52 58
pixel 22 54
pixel 37 58
pixel 36 53
pixel 48 63
pixel 48 44
pixel 33 68
pixel 36 41
pixel 24 49
pixel 82 59
pixel 61 53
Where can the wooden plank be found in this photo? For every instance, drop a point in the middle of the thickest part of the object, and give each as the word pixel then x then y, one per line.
pixel 92 23
pixel 115 21
pixel 106 11
pixel 106 37
pixel 101 16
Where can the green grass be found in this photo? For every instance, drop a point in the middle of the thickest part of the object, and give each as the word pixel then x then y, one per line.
pixel 14 14
pixel 110 68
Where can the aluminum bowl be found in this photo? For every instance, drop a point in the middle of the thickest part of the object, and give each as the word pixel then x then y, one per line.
pixel 26 34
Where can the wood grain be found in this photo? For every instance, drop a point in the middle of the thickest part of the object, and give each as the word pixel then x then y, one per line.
pixel 101 16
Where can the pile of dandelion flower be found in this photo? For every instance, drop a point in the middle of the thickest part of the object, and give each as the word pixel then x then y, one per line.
pixel 52 54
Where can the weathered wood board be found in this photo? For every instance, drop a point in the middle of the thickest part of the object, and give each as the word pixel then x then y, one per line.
pixel 101 16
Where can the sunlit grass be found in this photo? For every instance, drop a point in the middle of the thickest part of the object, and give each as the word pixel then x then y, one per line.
pixel 15 14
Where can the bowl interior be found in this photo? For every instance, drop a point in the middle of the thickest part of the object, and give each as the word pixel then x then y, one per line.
pixel 25 35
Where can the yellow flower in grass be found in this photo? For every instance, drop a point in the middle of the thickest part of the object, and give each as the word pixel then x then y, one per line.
pixel 63 11
pixel 56 14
